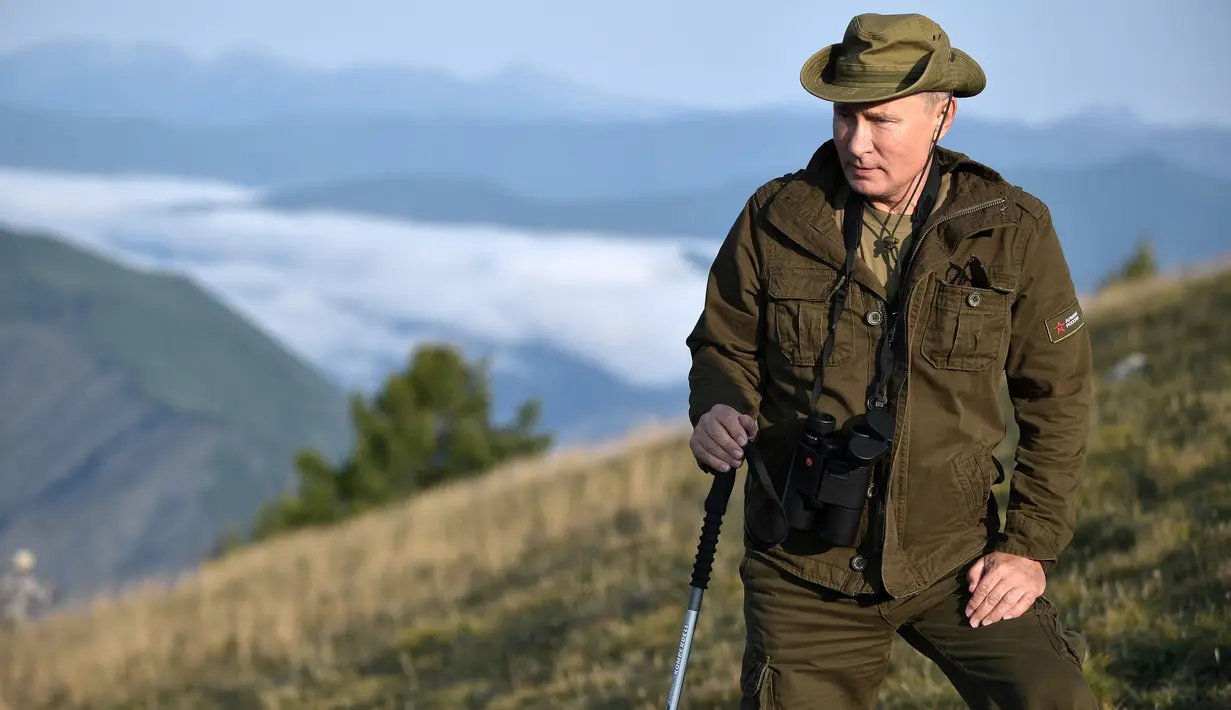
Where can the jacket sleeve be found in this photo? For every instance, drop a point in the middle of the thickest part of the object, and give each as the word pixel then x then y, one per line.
pixel 1049 372
pixel 725 340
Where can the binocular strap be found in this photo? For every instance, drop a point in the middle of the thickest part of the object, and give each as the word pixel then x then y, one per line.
pixel 768 526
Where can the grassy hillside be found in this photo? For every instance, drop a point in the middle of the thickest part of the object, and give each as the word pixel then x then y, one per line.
pixel 142 413
pixel 562 583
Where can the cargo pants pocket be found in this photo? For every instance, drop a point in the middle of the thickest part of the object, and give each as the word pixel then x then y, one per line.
pixel 1067 643
pixel 756 682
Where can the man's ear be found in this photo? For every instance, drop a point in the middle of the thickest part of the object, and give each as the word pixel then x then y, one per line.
pixel 947 110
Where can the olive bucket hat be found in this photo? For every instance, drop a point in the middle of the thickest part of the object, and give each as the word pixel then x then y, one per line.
pixel 884 57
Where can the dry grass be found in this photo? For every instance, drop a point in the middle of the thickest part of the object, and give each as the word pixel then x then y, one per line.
pixel 293 602
pixel 561 583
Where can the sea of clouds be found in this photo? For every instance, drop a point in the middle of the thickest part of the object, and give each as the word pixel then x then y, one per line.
pixel 339 288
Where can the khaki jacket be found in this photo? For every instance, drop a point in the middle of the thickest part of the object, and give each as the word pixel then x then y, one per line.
pixel 759 337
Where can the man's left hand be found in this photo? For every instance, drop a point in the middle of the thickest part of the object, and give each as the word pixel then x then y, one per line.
pixel 1003 586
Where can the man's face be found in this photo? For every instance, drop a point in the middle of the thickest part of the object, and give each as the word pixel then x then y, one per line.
pixel 883 146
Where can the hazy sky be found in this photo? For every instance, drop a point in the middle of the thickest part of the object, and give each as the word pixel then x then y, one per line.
pixel 1163 60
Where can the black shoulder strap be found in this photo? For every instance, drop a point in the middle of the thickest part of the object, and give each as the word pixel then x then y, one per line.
pixel 885 353
pixel 852 233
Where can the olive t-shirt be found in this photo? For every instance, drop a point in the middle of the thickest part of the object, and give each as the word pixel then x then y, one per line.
pixel 886 239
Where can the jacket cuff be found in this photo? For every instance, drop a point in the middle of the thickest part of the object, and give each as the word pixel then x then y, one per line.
pixel 706 397
pixel 1026 538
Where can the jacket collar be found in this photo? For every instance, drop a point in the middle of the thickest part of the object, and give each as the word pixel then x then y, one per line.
pixel 805 207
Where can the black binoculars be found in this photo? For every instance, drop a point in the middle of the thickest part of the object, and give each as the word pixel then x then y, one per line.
pixel 831 476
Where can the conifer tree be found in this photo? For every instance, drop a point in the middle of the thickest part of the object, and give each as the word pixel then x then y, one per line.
pixel 428 424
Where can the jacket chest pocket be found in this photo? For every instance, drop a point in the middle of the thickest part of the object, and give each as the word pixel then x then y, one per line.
pixel 799 306
pixel 964 328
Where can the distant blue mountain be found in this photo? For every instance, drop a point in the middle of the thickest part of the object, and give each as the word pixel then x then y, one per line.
pixel 559 160
pixel 1098 209
pixel 158 82
pixel 526 150
pixel 248 118
pixel 706 213
pixel 582 400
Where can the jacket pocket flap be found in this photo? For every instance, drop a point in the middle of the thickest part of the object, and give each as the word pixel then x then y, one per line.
pixel 801 283
pixel 955 298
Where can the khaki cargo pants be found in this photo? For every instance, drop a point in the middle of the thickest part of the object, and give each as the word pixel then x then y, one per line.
pixel 811 648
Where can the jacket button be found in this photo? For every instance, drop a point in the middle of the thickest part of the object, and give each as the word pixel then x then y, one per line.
pixel 873 317
pixel 973 300
pixel 858 563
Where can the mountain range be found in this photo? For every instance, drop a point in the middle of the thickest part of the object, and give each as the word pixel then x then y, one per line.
pixel 147 414
pixel 244 86
pixel 251 119
pixel 1088 204
pixel 555 159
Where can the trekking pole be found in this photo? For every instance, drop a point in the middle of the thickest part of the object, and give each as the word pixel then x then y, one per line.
pixel 715 508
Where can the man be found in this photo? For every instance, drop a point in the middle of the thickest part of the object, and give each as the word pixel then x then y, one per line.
pixel 19 589
pixel 985 292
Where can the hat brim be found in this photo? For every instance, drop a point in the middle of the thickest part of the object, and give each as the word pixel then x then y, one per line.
pixel 963 76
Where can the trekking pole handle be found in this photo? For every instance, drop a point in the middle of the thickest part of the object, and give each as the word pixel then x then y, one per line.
pixel 715 509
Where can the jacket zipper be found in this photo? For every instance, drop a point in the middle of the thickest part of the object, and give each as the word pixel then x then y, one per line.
pixel 960 213
pixel 905 299
pixel 883 304
pixel 914 247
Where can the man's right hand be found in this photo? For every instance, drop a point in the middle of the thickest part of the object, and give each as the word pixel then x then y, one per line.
pixel 720 436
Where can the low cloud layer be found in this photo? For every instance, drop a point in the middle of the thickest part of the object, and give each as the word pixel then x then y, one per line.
pixel 340 289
